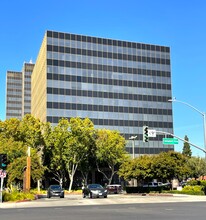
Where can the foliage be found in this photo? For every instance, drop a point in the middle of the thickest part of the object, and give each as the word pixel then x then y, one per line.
pixel 110 151
pixel 138 168
pixel 197 167
pixel 75 144
pixel 203 183
pixel 165 165
pixel 192 182
pixel 55 150
pixel 31 131
pixel 15 138
pixel 79 143
pixel 169 165
pixel 186 148
pixel 193 190
pixel 196 182
pixel 17 196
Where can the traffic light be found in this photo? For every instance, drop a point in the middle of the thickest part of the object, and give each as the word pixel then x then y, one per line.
pixel 145 134
pixel 3 161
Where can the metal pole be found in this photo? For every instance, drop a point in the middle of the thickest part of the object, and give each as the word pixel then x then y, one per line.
pixel 133 148
pixel 202 113
pixel 1 190
pixel 194 145
pixel 204 118
pixel 133 139
pixel 134 182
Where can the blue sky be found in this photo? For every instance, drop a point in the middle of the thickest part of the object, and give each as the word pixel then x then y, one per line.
pixel 179 24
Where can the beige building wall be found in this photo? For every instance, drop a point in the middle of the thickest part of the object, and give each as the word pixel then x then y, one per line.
pixel 39 85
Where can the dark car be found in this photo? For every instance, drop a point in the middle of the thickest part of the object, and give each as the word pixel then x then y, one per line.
pixel 94 190
pixel 114 188
pixel 55 191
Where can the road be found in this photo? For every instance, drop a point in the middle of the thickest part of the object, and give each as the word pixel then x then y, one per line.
pixel 121 207
pixel 139 211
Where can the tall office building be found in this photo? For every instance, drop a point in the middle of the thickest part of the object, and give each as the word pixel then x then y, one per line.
pixel 18 92
pixel 118 84
pixel 13 94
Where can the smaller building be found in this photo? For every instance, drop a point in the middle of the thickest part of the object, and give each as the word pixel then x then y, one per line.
pixel 18 92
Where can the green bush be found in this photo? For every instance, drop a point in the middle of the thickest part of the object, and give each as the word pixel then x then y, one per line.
pixel 35 191
pixel 203 183
pixel 17 196
pixel 192 183
pixel 193 190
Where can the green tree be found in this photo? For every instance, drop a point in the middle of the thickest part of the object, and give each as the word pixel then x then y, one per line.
pixel 10 128
pixel 110 152
pixel 16 156
pixel 31 131
pixel 79 143
pixel 169 165
pixel 197 167
pixel 186 148
pixel 15 138
pixel 139 168
pixel 55 151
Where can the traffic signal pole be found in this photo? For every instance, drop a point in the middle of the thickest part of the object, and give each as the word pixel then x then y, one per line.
pixel 194 145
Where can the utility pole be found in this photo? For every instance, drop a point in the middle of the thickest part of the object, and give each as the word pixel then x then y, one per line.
pixel 28 171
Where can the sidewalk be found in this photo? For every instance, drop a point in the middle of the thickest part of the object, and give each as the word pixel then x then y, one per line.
pixel 77 200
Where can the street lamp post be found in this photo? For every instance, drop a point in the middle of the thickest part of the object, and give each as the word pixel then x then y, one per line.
pixel 202 113
pixel 134 181
pixel 133 138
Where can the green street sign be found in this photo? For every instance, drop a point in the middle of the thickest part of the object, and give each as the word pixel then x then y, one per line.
pixel 170 141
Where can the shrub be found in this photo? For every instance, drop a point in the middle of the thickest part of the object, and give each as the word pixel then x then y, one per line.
pixel 193 190
pixel 192 183
pixel 203 183
pixel 17 196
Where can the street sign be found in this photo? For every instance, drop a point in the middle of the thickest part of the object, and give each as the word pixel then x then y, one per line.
pixel 170 141
pixel 152 133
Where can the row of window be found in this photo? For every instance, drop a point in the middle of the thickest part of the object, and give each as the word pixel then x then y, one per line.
pixel 13 102
pixel 120 123
pixel 14 108
pixel 104 108
pixel 120 73
pixel 99 94
pixel 107 48
pixel 62 51
pixel 11 89
pixel 101 67
pixel 13 115
pixel 94 80
pixel 105 41
pixel 146 150
pixel 14 83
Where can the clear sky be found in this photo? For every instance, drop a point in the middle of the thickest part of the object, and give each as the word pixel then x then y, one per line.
pixel 179 24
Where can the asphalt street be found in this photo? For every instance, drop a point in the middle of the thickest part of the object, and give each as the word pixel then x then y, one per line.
pixel 134 211
pixel 77 200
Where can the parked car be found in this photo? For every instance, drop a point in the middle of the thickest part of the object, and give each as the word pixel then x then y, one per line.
pixel 114 188
pixel 55 191
pixel 94 190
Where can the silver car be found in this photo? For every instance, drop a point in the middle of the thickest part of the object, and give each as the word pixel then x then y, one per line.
pixel 55 190
pixel 94 190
